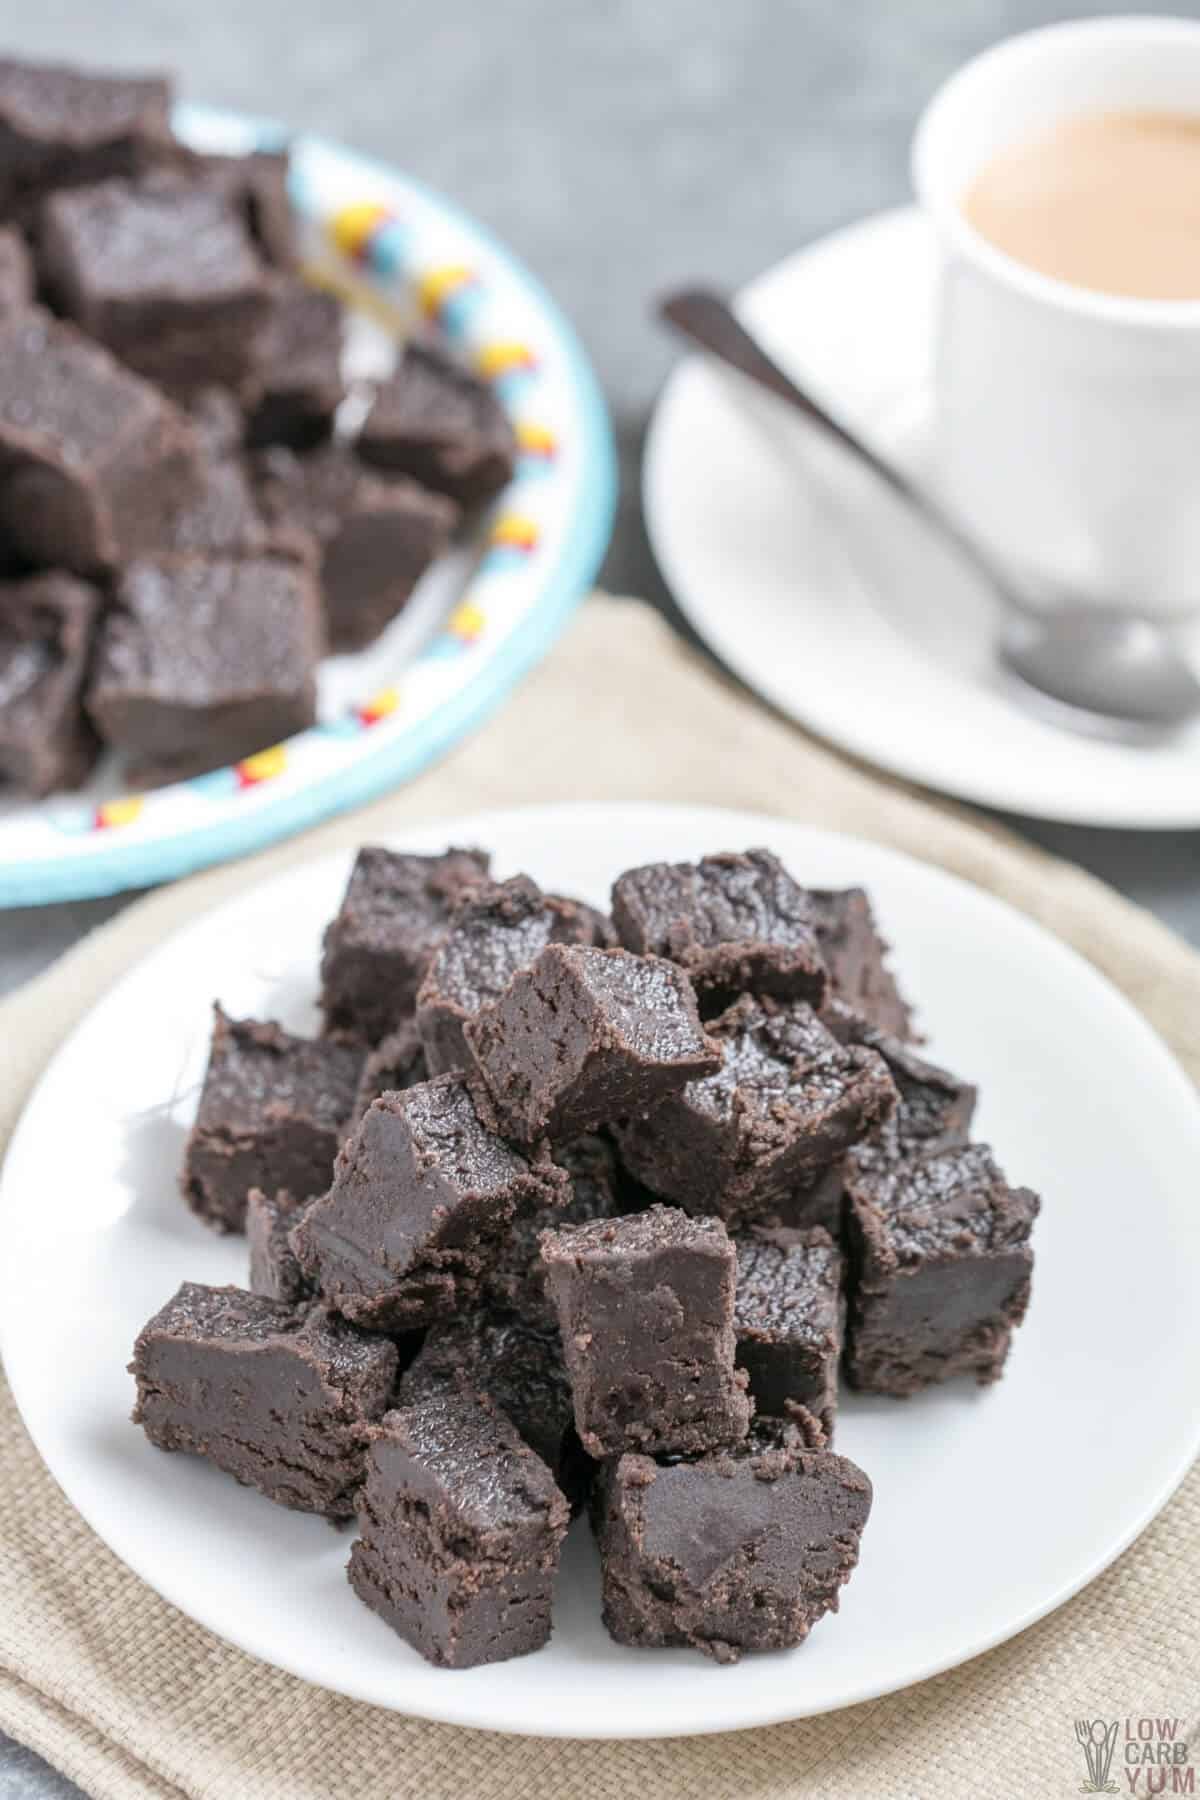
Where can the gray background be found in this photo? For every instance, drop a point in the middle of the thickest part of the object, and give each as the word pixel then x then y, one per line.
pixel 619 147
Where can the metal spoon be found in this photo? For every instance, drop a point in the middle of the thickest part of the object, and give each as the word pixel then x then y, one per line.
pixel 1107 673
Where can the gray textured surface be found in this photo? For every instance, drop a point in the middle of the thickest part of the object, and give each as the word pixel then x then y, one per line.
pixel 619 148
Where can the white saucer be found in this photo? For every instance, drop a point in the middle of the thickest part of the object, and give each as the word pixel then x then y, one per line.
pixel 991 1507
pixel 809 581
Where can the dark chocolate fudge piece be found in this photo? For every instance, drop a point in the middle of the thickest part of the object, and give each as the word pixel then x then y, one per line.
pixel 162 271
pixel 257 185
pixel 377 537
pixel 497 928
pixel 297 382
pixel 204 660
pixel 585 1036
pixel 269 1117
pixel 393 916
pixel 940 1263
pixel 222 518
pixel 645 1305
pixel 421 1194
pixel 520 1367
pixel 789 1316
pixel 857 958
pixel 397 1062
pixel 46 626
pixel 274 1269
pixel 516 1275
pixel 935 1107
pixel 16 272
pixel 218 421
pixel 743 1550
pixel 737 924
pixel 462 1527
pixel 280 1398
pixel 92 459
pixel 59 127
pixel 440 424
pixel 786 1103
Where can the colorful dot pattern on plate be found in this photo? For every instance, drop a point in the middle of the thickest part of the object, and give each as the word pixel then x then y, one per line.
pixel 399 256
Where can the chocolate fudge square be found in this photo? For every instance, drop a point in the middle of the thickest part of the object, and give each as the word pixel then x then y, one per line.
pixel 789 1315
pixel 438 423
pixel 222 518
pixel 941 1266
pixel 376 537
pixel 857 958
pixel 585 1036
pixel 162 271
pixel 269 1117
pixel 745 1549
pixel 275 1270
pixel 257 185
pixel 461 1531
pixel 204 660
pixel 786 1103
pixel 297 381
pixel 394 913
pixel 46 629
pixel 737 924
pixel 397 1062
pixel 516 1275
pixel 645 1305
pixel 519 1366
pixel 282 1399
pixel 497 928
pixel 16 272
pixel 60 127
pixel 935 1108
pixel 92 459
pixel 421 1194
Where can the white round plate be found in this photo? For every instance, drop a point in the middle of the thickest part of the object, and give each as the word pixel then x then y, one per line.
pixel 991 1507
pixel 481 615
pixel 814 586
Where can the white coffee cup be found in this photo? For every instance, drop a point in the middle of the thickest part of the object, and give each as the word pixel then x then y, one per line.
pixel 1066 422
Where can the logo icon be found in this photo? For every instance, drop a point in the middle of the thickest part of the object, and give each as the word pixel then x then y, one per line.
pixel 1098 1740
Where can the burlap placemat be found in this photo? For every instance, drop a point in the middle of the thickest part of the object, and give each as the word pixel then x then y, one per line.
pixel 131 1699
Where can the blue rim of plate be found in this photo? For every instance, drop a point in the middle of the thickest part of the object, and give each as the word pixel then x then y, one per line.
pixel 47 880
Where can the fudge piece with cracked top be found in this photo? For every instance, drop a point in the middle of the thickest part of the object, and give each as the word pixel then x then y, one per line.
pixel 461 1530
pixel 789 1315
pixel 440 424
pixel 280 1398
pixel 269 1117
pixel 585 1036
pixel 47 623
pixel 645 1306
pixel 422 1193
pixel 393 915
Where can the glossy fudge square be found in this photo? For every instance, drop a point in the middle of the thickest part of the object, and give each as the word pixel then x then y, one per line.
pixel 59 127
pixel 93 461
pixel 497 928
pixel 269 1117
pixel 745 1549
pixel 438 423
pixel 516 1275
pixel 394 914
pixel 280 1398
pixel 163 271
pixel 275 1270
pixel 786 1103
pixel 941 1266
pixel 789 1316
pixel 645 1305
pixel 16 272
pixel 461 1530
pixel 397 1062
pixel 519 1366
pixel 737 924
pixel 376 537
pixel 585 1036
pixel 204 660
pixel 856 956
pixel 46 628
pixel 297 385
pixel 422 1193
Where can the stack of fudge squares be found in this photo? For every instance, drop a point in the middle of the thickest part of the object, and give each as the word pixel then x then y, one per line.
pixel 185 528
pixel 567 1210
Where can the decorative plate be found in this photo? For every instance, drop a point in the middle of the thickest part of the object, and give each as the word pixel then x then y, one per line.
pixel 482 616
